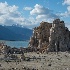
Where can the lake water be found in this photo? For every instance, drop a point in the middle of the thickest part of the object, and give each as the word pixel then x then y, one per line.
pixel 16 43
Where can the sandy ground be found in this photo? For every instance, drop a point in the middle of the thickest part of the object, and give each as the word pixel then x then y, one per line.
pixel 50 61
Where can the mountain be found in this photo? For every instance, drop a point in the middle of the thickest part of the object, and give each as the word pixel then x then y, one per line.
pixel 14 33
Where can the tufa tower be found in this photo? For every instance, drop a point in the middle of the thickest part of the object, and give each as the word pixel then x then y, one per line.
pixel 50 37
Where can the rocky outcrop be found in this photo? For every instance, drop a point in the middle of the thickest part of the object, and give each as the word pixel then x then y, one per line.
pixel 50 37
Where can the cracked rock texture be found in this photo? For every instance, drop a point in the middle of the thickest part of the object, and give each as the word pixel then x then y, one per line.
pixel 50 37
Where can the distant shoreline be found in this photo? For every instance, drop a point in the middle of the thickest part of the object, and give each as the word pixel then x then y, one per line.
pixel 15 40
pixel 15 43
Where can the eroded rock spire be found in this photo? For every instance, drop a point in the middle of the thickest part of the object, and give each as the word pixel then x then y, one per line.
pixel 50 37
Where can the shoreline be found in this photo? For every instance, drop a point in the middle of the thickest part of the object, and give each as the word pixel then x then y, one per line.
pixel 16 44
pixel 15 40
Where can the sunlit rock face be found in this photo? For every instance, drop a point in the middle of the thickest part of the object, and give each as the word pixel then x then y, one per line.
pixel 50 37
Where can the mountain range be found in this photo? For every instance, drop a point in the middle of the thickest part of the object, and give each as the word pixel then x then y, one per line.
pixel 17 33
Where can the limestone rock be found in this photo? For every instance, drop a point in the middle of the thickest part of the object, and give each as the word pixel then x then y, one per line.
pixel 50 37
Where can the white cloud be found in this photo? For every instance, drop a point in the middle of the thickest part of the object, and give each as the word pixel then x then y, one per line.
pixel 45 18
pixel 27 8
pixel 67 2
pixel 7 12
pixel 6 9
pixel 42 13
pixel 38 9
pixel 68 8
pixel 10 15
pixel 66 13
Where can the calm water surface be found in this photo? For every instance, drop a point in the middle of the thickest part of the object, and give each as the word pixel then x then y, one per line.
pixel 16 43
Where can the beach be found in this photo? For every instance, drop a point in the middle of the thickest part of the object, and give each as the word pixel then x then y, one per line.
pixel 50 61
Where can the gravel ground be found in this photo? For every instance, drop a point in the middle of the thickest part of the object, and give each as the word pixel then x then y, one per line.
pixel 50 61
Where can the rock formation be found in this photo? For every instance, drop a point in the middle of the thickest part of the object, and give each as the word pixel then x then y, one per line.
pixel 50 37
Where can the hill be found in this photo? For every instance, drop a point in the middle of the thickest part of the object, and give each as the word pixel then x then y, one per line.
pixel 14 33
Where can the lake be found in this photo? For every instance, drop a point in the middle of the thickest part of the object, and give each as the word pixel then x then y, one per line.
pixel 16 43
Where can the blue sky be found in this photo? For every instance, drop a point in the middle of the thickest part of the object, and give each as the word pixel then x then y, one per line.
pixel 30 13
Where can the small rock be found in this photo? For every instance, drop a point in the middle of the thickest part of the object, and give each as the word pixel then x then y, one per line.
pixel 49 64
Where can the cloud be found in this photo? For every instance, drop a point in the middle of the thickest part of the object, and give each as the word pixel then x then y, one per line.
pixel 68 8
pixel 66 13
pixel 40 18
pixel 6 9
pixel 27 8
pixel 38 9
pixel 10 15
pixel 67 2
pixel 7 12
pixel 42 13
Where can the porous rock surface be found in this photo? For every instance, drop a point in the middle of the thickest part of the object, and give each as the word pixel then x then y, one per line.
pixel 50 37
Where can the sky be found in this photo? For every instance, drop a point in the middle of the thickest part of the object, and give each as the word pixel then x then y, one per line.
pixel 29 13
